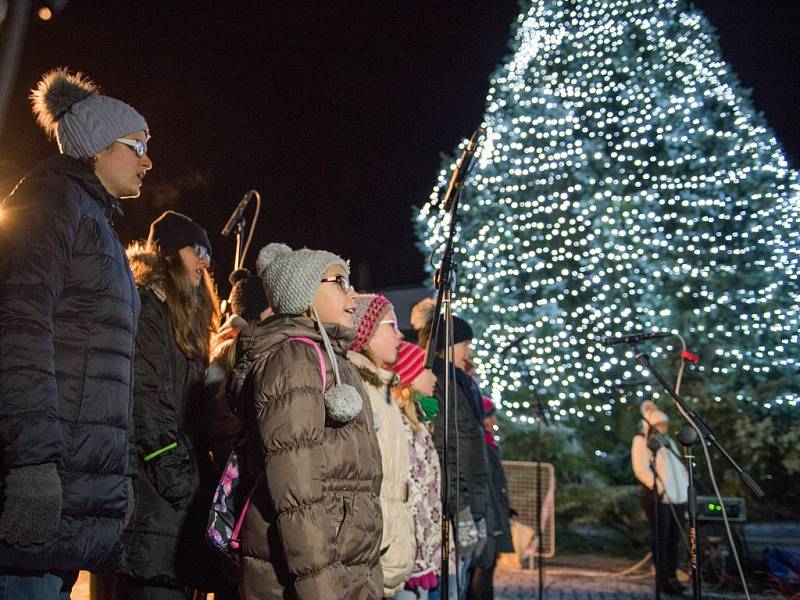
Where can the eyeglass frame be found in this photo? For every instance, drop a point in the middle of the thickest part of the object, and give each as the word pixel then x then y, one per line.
pixel 343 282
pixel 393 322
pixel 137 146
pixel 201 252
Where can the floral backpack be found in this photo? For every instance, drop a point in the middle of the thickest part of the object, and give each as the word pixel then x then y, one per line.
pixel 230 504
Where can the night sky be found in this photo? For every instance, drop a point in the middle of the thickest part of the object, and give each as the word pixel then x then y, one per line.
pixel 337 112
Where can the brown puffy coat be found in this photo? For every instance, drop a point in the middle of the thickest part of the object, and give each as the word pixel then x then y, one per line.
pixel 314 528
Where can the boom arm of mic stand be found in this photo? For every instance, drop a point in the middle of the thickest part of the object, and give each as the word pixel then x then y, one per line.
pixel 444 274
pixel 708 435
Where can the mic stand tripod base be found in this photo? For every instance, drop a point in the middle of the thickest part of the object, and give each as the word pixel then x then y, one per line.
pixel 688 437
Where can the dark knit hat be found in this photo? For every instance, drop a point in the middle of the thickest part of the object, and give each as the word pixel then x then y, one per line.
pixel 173 231
pixel 461 333
pixel 248 298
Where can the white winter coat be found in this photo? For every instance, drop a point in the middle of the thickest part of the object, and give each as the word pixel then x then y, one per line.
pixel 398 544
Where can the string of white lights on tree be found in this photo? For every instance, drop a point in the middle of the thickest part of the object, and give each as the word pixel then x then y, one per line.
pixel 626 184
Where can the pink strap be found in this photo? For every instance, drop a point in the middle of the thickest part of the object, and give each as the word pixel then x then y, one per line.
pixel 246 507
pixel 322 368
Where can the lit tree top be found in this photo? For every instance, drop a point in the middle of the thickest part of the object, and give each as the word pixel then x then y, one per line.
pixel 626 184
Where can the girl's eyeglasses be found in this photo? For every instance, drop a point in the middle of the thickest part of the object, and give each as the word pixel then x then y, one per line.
pixel 202 252
pixel 391 322
pixel 340 280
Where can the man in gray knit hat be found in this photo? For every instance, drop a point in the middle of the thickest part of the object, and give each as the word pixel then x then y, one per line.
pixel 68 312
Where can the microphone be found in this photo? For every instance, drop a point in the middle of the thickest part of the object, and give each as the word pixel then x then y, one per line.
pixel 464 166
pixel 656 441
pixel 633 338
pixel 237 213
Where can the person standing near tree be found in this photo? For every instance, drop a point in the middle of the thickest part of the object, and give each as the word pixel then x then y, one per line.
pixel 68 312
pixel 657 464
pixel 413 393
pixel 372 352
pixel 313 529
pixel 498 512
pixel 467 467
pixel 180 311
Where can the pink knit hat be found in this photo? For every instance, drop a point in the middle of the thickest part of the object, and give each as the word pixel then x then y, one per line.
pixel 410 362
pixel 369 310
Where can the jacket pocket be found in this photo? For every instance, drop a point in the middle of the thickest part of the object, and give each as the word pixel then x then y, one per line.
pixel 340 519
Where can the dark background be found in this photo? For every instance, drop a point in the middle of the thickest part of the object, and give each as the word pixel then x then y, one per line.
pixel 337 112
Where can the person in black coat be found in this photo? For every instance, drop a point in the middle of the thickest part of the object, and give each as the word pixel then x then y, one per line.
pixel 180 311
pixel 498 512
pixel 68 311
pixel 466 456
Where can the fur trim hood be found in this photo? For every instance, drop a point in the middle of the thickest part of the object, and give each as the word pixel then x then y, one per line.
pixel 371 374
pixel 148 272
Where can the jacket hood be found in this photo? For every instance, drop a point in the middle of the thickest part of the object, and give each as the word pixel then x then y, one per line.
pixel 262 338
pixel 147 269
pixel 66 165
pixel 371 373
pixel 259 338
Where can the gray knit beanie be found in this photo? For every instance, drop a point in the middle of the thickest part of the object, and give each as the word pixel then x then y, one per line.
pixel 84 122
pixel 292 277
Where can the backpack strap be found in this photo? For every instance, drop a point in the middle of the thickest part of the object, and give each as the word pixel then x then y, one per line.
pixel 246 507
pixel 322 368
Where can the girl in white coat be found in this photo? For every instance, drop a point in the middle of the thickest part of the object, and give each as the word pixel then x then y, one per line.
pixel 373 352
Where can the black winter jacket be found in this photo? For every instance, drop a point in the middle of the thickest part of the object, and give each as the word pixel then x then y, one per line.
pixel 468 471
pixel 498 509
pixel 159 540
pixel 68 310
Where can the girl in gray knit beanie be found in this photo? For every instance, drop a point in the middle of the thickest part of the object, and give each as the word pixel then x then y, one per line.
pixel 315 283
pixel 315 521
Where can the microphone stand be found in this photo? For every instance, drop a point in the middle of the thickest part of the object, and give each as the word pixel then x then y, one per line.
pixel 687 436
pixel 444 281
pixel 239 242
pixel 540 415
pixel 237 224
pixel 708 438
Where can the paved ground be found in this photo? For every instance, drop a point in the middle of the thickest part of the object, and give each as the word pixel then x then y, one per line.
pixel 593 580
pixel 567 584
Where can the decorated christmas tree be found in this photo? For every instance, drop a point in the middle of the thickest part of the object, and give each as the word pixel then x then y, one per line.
pixel 626 184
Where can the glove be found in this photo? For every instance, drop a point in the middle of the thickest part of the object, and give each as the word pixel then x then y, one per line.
pixel 174 476
pixel 32 507
pixel 481 544
pixel 467 532
pixel 428 581
pixel 131 506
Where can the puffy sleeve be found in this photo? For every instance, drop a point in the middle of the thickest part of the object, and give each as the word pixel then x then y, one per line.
pixel 154 408
pixel 37 232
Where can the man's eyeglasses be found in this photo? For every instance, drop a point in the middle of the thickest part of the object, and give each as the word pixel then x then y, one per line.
pixel 340 280
pixel 202 252
pixel 137 146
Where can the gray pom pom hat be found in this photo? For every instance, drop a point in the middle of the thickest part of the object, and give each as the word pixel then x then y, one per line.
pixel 291 278
pixel 84 122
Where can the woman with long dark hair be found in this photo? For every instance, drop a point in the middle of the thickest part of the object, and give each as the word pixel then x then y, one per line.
pixel 180 310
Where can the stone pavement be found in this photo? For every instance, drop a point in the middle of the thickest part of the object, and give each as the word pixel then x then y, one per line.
pixel 561 583
pixel 590 584
pixel 570 584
